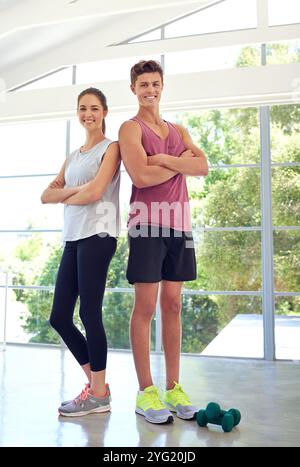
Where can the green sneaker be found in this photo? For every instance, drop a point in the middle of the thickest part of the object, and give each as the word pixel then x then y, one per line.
pixel 150 406
pixel 177 401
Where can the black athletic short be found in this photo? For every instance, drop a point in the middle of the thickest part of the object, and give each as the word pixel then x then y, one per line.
pixel 159 253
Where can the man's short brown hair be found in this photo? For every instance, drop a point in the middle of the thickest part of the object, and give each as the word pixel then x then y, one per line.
pixel 145 66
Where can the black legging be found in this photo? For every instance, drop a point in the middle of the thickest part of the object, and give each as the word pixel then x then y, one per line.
pixel 82 272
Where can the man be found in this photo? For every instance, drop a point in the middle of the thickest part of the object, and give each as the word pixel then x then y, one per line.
pixel 158 155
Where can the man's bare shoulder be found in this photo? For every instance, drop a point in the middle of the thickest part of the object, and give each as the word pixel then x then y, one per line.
pixel 180 128
pixel 130 125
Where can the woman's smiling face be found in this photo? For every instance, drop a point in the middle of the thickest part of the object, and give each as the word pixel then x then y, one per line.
pixel 90 112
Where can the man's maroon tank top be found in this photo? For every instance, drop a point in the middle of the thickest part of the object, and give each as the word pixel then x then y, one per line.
pixel 166 204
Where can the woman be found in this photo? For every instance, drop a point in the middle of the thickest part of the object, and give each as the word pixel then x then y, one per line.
pixel 88 185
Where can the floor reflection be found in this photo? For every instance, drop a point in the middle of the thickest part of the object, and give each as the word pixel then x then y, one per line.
pixel 34 381
pixel 87 431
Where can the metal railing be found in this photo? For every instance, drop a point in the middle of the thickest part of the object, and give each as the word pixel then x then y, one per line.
pixel 158 344
pixel 5 309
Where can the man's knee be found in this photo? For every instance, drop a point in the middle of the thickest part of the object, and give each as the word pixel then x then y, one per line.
pixel 145 310
pixel 171 305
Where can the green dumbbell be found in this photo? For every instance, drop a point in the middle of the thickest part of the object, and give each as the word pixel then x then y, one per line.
pixel 215 415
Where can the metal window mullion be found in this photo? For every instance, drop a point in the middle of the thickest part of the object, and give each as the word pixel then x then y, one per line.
pixel 68 125
pixel 286 228
pixel 285 164
pixel 212 167
pixel 162 57
pixel 26 175
pixel 68 132
pixel 233 166
pixel 268 301
pixel 5 310
pixel 257 293
pixel 29 231
pixel 287 294
pixel 158 326
pixel 227 229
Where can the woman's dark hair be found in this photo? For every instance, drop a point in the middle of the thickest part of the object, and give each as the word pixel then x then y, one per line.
pixel 96 92
pixel 145 66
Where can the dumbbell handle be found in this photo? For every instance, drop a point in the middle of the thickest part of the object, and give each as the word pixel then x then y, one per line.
pixel 217 420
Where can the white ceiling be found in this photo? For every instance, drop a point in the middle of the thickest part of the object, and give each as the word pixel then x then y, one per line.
pixel 39 36
pixel 24 45
pixel 4 4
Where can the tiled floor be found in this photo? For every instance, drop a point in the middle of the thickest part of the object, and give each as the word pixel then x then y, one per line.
pixel 33 381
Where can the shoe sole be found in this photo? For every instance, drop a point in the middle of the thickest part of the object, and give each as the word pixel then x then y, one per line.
pixel 170 419
pixel 172 409
pixel 105 408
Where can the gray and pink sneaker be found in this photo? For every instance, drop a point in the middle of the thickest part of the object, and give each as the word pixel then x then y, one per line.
pixel 86 403
pixel 86 386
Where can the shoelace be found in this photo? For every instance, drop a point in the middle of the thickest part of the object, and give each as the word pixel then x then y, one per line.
pixel 180 395
pixel 152 400
pixel 84 394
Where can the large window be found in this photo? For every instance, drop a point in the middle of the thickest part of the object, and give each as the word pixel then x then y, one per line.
pixel 285 131
pixel 225 299
pixel 287 12
pixel 108 70
pixel 58 78
pixel 32 148
pixel 30 238
pixel 215 18
pixel 31 247
pixel 191 61
pixel 283 52
pixel 227 230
